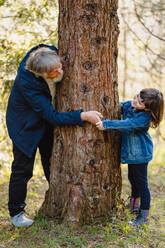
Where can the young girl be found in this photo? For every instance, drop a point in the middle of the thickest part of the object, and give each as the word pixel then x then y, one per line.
pixel 144 111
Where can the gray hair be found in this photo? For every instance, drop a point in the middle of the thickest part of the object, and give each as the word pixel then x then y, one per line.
pixel 42 60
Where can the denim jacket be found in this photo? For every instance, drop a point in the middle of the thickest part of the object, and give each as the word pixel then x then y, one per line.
pixel 137 146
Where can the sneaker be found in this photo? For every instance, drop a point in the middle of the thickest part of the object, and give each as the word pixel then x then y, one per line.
pixel 142 218
pixel 20 220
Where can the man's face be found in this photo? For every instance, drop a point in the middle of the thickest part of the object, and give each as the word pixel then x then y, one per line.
pixel 56 74
pixel 137 103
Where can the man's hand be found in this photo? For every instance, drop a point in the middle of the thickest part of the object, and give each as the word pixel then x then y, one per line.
pixel 99 125
pixel 91 116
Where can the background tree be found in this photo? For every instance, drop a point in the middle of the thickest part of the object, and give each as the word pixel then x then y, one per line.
pixel 144 21
pixel 85 177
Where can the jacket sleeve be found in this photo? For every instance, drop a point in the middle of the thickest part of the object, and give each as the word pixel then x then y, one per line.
pixel 138 123
pixel 44 108
pixel 125 106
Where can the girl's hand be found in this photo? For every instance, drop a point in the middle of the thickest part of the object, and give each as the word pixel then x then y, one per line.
pixel 99 125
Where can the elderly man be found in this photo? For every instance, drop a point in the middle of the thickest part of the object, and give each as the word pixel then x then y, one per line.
pixel 30 121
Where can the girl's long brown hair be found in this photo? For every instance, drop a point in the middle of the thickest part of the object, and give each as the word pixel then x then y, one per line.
pixel 154 103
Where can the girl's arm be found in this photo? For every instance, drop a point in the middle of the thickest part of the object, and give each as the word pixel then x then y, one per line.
pixel 129 124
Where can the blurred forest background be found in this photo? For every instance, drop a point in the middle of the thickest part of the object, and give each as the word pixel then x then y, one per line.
pixel 141 59
pixel 141 63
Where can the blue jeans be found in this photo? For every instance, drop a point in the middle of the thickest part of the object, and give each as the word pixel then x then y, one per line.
pixel 137 175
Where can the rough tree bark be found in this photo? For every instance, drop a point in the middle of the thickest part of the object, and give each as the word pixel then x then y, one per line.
pixel 85 168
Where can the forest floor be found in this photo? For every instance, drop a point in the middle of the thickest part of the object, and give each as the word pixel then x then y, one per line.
pixel 113 233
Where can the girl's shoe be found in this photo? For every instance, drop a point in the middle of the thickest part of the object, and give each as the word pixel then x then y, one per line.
pixel 142 218
pixel 134 205
pixel 132 200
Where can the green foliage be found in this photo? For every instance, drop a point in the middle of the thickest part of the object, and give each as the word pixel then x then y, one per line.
pixel 23 25
pixel 2 2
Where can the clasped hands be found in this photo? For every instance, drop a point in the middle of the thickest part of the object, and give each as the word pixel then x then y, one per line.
pixel 94 117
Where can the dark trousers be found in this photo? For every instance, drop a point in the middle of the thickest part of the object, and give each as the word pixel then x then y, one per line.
pixel 22 171
pixel 137 175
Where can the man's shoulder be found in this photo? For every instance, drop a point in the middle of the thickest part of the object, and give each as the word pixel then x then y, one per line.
pixel 27 80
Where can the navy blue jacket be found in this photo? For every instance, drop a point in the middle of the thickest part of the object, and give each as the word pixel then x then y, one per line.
pixel 137 146
pixel 30 109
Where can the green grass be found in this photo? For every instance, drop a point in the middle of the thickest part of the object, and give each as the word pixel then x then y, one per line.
pixel 114 233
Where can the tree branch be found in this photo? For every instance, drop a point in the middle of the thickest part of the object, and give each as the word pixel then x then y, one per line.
pixel 143 24
pixel 146 46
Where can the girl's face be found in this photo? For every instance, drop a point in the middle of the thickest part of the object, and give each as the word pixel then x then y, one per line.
pixel 137 103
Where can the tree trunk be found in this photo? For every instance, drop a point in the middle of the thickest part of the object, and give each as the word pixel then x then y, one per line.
pixel 85 169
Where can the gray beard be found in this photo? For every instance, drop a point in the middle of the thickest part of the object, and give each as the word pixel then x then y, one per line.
pixel 51 82
pixel 54 80
pixel 52 86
